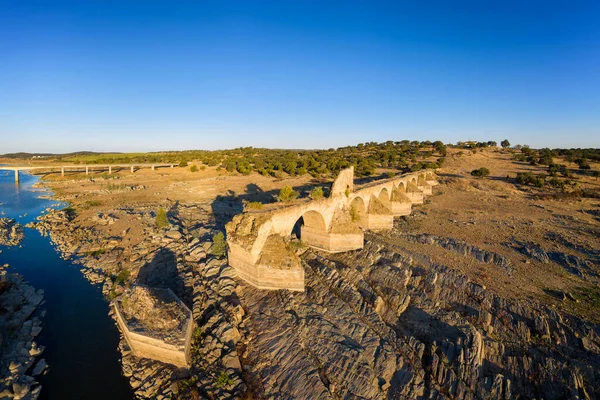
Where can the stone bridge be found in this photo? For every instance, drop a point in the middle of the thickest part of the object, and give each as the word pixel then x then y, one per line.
pixel 259 240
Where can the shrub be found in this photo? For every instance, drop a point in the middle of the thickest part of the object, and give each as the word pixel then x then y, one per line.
pixel 317 193
pixel 527 178
pixel 183 164
pixel 390 174
pixel 219 245
pixel 583 163
pixel 122 277
pixel 194 168
pixel 255 205
pixel 92 203
pixel 223 380
pixel 287 194
pixel 354 214
pixel 481 172
pixel 162 221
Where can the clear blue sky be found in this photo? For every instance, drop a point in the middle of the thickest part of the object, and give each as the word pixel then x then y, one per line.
pixel 155 75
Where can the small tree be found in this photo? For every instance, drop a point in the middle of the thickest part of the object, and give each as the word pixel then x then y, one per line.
pixel 583 163
pixel 505 143
pixel 354 214
pixel 317 193
pixel 481 172
pixel 183 164
pixel 288 194
pixel 219 245
pixel 162 221
pixel 194 168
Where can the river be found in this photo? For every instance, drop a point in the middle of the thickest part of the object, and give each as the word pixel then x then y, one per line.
pixel 79 337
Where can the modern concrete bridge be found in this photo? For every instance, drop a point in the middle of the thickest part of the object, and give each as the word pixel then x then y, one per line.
pixel 81 168
pixel 259 246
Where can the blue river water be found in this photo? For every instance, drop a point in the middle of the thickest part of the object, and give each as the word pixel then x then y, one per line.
pixel 79 337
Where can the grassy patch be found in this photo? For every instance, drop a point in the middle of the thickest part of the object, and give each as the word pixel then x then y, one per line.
pixel 223 380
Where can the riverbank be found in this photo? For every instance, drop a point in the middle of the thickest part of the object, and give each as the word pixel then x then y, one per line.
pixel 78 336
pixel 123 245
pixel 20 362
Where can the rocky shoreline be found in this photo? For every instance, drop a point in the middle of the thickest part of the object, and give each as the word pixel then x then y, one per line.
pixel 11 232
pixel 177 257
pixel 20 323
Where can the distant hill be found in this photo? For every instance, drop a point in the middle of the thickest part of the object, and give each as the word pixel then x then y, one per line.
pixel 42 155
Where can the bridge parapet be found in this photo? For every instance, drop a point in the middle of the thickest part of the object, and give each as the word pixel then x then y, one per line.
pixel 259 242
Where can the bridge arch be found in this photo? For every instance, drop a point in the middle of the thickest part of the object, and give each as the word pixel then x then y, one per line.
pixel 311 220
pixel 358 209
pixel 401 186
pixel 385 197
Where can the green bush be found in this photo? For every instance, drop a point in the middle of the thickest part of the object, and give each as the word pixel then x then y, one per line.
pixel 583 163
pixel 183 164
pixel 194 168
pixel 162 221
pixel 354 214
pixel 317 193
pixel 505 143
pixel 287 194
pixel 527 178
pixel 122 277
pixel 255 205
pixel 219 245
pixel 223 380
pixel 481 172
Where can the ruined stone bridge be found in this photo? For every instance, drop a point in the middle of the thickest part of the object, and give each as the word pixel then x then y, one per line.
pixel 259 246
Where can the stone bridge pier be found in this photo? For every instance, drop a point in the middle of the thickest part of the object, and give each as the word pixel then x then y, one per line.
pixel 259 240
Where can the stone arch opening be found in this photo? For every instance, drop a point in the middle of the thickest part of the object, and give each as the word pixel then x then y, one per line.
pixel 358 209
pixel 385 198
pixel 401 187
pixel 413 181
pixel 310 220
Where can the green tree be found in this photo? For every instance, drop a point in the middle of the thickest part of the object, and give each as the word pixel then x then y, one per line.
pixel 505 143
pixel 219 245
pixel 287 194
pixel 162 221
pixel 317 193
pixel 481 172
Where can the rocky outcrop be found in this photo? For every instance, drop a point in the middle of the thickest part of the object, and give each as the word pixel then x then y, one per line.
pixel 11 232
pixel 571 263
pixel 462 248
pixel 19 353
pixel 384 323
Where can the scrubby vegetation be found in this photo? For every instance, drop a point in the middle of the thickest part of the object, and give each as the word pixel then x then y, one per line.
pixel 481 172
pixel 219 245
pixel 317 193
pixel 254 205
pixel 162 221
pixel 287 194
pixel 365 157
pixel 354 214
